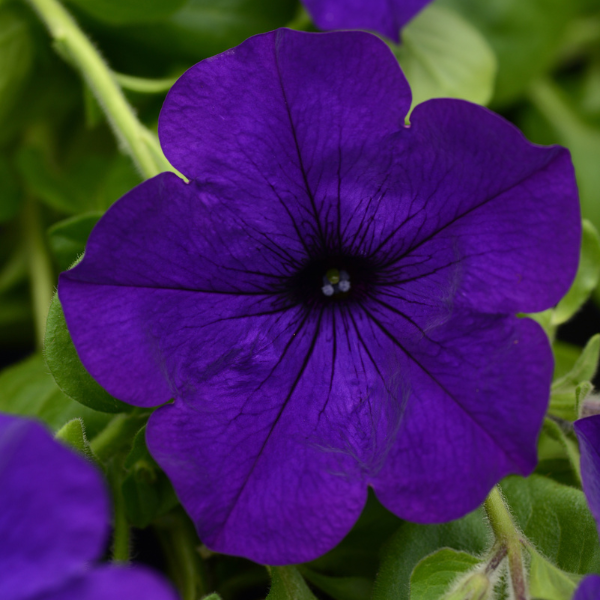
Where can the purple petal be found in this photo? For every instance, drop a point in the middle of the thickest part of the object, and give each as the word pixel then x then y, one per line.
pixel 168 263
pixel 114 583
pixel 279 109
pixel 485 220
pixel 54 510
pixel 588 433
pixel 479 388
pixel 385 16
pixel 589 588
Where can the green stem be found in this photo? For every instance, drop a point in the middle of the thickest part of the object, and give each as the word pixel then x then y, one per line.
pixel 180 544
pixel 121 541
pixel 72 42
pixel 41 274
pixel 507 534
pixel 144 86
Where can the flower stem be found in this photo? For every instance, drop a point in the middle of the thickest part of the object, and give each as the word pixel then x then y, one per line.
pixel 40 269
pixel 509 536
pixel 180 544
pixel 73 44
pixel 121 542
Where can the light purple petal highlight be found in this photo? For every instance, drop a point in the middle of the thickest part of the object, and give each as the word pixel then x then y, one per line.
pixel 384 16
pixel 54 510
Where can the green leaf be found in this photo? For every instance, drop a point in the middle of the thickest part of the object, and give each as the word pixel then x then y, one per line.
pixel 204 28
pixel 67 238
pixel 565 357
pixel 557 521
pixel 588 275
pixel 435 574
pixel 147 491
pixel 28 389
pixel 413 542
pixel 443 56
pixel 288 584
pixel 121 12
pixel 564 399
pixel 340 588
pixel 16 57
pixel 524 36
pixel 547 582
pixel 67 370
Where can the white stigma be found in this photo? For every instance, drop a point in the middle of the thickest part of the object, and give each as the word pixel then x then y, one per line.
pixel 335 282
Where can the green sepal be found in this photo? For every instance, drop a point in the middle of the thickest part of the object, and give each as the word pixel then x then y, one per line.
pixel 586 280
pixel 565 399
pixel 73 434
pixel 434 576
pixel 288 584
pixel 67 370
pixel 213 596
pixel 28 389
pixel 147 491
pixel 565 357
pixel 549 582
pixel 444 56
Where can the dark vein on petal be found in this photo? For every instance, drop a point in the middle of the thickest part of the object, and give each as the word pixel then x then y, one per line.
pixel 297 145
pixel 395 341
pixel 278 417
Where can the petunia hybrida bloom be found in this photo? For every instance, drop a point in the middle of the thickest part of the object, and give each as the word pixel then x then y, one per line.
pixel 54 520
pixel 330 300
pixel 588 433
pixel 384 16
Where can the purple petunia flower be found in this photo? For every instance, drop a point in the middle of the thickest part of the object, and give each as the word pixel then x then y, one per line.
pixel 331 299
pixel 384 16
pixel 588 433
pixel 54 515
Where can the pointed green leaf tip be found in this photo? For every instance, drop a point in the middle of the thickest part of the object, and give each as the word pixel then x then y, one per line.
pixel 288 584
pixel 434 576
pixel 73 434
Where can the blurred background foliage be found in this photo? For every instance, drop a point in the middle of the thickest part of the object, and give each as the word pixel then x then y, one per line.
pixel 537 62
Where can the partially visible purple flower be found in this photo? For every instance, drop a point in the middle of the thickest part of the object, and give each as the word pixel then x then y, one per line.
pixel 331 299
pixel 588 433
pixel 589 589
pixel 54 520
pixel 384 16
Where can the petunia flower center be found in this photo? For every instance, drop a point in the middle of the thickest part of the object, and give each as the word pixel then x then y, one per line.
pixel 327 280
pixel 336 281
